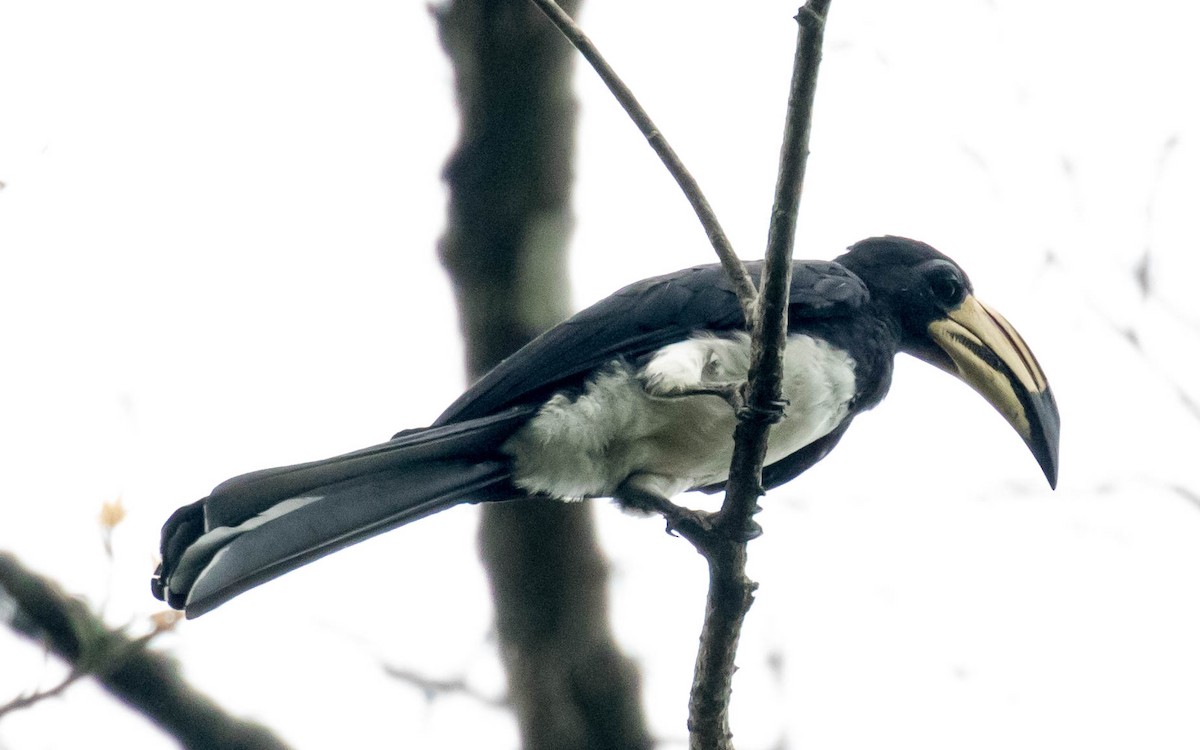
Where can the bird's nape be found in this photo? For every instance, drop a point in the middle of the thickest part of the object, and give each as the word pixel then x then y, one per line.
pixel 932 301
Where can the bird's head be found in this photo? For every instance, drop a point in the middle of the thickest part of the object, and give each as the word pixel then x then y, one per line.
pixel 943 324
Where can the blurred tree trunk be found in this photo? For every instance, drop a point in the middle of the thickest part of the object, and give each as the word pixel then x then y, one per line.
pixel 505 249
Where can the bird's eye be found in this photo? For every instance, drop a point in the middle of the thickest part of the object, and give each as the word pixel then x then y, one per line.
pixel 947 289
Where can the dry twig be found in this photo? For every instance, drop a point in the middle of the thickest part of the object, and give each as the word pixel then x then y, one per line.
pixel 742 283
pixel 723 540
pixel 432 687
pixel 149 682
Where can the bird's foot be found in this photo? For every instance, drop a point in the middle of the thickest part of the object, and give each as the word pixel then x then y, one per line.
pixel 682 521
pixel 731 391
pixel 772 412
pixel 688 523
pixel 734 394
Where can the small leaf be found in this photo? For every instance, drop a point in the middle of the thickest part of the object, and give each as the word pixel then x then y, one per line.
pixel 112 513
pixel 165 620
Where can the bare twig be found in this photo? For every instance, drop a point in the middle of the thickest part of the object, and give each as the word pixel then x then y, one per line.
pixel 1131 337
pixel 722 537
pixel 147 681
pixel 30 699
pixel 730 591
pixel 742 284
pixel 432 687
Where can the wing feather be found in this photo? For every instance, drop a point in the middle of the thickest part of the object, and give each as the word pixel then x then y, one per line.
pixel 641 318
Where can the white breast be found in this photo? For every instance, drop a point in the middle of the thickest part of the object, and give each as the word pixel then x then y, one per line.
pixel 625 426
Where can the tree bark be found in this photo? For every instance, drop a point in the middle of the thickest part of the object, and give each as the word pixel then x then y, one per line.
pixel 505 249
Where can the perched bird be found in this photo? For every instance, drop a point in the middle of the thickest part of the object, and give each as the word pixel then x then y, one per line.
pixel 628 398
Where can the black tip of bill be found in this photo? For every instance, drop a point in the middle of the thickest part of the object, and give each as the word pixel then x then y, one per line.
pixel 1043 439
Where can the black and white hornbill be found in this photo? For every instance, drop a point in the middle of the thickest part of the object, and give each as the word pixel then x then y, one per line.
pixel 619 401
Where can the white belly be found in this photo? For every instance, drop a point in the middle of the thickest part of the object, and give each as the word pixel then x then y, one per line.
pixel 618 428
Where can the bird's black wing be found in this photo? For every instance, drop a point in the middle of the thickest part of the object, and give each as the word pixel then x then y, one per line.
pixel 791 466
pixel 641 318
pixel 794 464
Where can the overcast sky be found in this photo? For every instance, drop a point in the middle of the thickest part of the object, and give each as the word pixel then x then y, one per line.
pixel 217 235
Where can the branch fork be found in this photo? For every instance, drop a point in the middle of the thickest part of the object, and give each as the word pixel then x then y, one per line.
pixel 722 537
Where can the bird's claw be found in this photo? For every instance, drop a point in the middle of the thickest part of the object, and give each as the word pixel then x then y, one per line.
pixel 772 413
pixel 686 522
pixel 734 394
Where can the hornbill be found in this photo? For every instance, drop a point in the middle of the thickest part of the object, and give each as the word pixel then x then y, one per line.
pixel 628 398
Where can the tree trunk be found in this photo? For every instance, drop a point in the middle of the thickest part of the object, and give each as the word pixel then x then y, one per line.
pixel 505 249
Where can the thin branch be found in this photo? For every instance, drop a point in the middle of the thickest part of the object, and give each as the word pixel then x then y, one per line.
pixel 730 592
pixel 147 681
pixel 1187 493
pixel 30 699
pixel 742 283
pixel 721 538
pixel 1131 337
pixel 433 687
pixel 770 325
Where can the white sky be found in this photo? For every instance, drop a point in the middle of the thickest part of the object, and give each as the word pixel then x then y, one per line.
pixel 217 254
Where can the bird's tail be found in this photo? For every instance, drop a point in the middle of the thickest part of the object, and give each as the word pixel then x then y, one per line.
pixel 257 526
